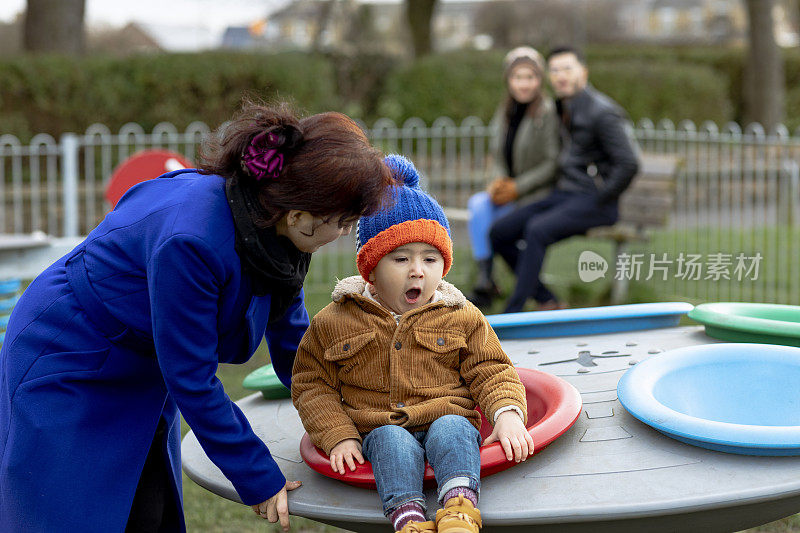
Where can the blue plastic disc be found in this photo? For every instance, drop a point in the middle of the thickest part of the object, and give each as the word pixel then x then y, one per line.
pixel 739 398
pixel 588 320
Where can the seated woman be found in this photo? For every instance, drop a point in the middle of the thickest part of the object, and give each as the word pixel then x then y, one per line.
pixel 524 147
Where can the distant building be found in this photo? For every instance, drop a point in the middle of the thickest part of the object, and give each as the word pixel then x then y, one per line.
pixel 454 24
pixel 347 24
pixel 379 25
pixel 238 37
pixel 700 21
pixel 181 38
pixel 130 39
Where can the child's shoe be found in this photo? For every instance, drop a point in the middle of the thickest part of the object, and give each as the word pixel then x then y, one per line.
pixel 458 516
pixel 418 527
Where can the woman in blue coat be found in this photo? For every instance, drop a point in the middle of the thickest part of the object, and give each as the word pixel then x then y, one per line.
pixel 190 270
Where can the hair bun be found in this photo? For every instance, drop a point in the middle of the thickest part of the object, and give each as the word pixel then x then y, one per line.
pixel 403 170
pixel 289 137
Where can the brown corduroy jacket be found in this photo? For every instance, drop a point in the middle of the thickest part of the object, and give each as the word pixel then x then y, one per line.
pixel 357 368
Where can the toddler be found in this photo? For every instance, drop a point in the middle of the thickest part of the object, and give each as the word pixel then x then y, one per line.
pixel 393 369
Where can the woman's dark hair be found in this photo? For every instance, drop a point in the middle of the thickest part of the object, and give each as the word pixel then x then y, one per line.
pixel 329 167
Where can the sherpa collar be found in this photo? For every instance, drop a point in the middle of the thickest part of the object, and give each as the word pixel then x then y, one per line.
pixel 353 286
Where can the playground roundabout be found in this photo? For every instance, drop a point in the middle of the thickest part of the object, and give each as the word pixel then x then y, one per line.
pixel 609 471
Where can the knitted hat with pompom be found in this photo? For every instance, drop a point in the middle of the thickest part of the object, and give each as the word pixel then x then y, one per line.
pixel 414 216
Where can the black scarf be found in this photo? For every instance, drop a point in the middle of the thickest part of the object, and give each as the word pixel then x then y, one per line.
pixel 514 120
pixel 272 262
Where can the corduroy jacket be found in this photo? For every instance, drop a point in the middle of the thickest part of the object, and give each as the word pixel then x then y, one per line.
pixel 357 368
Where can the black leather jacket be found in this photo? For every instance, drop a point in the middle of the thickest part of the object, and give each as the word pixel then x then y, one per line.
pixel 596 156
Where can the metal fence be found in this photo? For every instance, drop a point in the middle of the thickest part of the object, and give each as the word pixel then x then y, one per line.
pixel 734 233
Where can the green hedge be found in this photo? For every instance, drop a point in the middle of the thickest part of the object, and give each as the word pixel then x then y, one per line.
pixel 455 85
pixel 463 84
pixel 55 94
pixel 664 90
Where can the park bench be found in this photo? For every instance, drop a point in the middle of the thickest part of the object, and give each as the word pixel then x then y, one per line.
pixel 646 204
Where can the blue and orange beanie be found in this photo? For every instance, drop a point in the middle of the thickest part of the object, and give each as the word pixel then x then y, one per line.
pixel 414 217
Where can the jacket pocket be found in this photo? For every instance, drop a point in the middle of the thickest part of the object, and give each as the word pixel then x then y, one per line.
pixel 58 363
pixel 357 361
pixel 436 360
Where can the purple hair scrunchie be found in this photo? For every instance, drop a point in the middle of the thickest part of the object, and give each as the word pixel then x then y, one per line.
pixel 261 158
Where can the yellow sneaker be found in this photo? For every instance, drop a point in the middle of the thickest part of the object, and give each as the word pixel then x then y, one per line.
pixel 418 527
pixel 458 516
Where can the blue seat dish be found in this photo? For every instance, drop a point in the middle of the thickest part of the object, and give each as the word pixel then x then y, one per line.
pixel 9 287
pixel 738 398
pixel 588 320
pixel 8 303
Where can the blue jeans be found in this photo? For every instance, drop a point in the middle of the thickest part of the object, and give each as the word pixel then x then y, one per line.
pixel 451 445
pixel 482 213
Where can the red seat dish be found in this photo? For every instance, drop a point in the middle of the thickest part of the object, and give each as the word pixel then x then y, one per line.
pixel 142 166
pixel 553 406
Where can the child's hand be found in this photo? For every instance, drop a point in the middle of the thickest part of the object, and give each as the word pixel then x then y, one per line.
pixel 513 436
pixel 346 451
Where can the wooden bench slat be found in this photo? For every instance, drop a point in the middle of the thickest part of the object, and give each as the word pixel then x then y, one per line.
pixel 665 187
pixel 619 232
pixel 646 202
pixel 650 177
pixel 658 163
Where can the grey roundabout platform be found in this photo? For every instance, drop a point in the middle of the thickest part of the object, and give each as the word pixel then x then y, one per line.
pixel 609 472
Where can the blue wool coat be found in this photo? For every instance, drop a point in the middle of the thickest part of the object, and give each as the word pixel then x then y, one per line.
pixel 128 328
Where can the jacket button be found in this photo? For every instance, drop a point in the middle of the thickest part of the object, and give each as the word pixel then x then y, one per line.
pixel 398 345
pixel 400 404
pixel 440 341
pixel 346 347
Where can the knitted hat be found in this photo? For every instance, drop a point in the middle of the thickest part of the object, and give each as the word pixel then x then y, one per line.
pixel 523 55
pixel 414 217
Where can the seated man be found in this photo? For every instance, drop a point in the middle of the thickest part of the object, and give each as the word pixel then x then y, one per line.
pixel 596 163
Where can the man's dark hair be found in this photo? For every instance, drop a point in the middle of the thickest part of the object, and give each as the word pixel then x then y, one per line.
pixel 567 49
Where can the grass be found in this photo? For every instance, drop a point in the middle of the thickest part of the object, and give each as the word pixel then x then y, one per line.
pixel 206 512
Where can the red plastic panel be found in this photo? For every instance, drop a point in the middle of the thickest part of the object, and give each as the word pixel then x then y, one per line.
pixel 142 166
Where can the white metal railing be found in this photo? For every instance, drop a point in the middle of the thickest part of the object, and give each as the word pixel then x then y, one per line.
pixel 738 192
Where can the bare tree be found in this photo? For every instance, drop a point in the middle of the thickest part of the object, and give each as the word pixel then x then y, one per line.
pixel 764 91
pixel 324 11
pixel 419 14
pixel 541 23
pixel 499 20
pixel 54 26
pixel 11 37
pixel 601 21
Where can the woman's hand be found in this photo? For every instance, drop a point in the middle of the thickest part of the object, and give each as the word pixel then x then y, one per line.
pixel 513 436
pixel 502 191
pixel 345 452
pixel 277 507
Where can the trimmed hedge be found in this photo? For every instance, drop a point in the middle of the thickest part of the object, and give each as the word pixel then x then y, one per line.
pixel 55 94
pixel 455 85
pixel 664 90
pixel 463 84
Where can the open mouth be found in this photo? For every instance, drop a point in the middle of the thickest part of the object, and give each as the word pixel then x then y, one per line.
pixel 412 295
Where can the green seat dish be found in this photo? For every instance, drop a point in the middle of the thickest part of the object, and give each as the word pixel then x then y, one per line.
pixel 750 322
pixel 265 380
